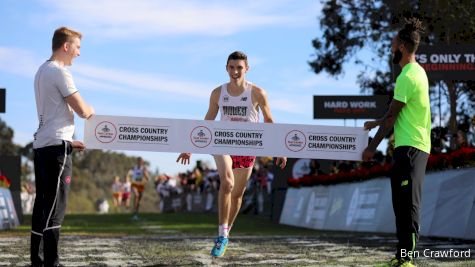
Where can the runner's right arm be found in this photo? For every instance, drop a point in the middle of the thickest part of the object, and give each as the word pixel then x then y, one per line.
pixel 213 105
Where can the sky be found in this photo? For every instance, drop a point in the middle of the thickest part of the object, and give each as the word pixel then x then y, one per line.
pixel 161 59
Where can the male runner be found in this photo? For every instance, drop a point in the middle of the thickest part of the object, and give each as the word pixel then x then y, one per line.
pixel 409 114
pixel 140 177
pixel 234 171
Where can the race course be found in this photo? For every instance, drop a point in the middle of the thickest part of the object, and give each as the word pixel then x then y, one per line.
pixel 184 239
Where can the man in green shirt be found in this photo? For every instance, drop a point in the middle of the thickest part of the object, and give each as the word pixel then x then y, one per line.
pixel 409 114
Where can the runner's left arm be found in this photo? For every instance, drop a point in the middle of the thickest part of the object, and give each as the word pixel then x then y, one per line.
pixel 261 97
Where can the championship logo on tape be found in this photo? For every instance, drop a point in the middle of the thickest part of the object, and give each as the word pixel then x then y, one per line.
pixel 295 140
pixel 201 136
pixel 105 132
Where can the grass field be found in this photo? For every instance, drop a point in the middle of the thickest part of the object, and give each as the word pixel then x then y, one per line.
pixel 185 239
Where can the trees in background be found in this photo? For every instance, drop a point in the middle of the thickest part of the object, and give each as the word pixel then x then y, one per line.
pixel 93 172
pixel 7 147
pixel 348 26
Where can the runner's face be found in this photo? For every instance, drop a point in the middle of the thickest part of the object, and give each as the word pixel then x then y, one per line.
pixel 73 50
pixel 237 69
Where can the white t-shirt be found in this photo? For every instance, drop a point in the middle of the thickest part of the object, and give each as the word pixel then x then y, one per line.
pixel 53 84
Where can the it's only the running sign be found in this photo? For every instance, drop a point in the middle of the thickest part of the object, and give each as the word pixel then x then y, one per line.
pixel 225 138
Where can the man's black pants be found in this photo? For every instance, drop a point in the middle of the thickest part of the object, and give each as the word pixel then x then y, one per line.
pixel 406 185
pixel 53 169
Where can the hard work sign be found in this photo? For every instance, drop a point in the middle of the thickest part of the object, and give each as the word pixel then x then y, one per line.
pixel 349 107
pixel 448 62
pixel 225 138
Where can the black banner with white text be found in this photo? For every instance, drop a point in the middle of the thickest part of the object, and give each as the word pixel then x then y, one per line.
pixel 349 107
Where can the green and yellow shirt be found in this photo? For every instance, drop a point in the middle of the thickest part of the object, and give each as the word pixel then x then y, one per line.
pixel 413 124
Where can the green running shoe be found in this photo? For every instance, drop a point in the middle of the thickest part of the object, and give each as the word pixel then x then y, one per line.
pixel 394 262
pixel 406 263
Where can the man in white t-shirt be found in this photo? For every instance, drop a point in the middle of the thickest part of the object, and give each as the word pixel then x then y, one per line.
pixel 56 99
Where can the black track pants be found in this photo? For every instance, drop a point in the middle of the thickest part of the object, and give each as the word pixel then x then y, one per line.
pixel 406 186
pixel 52 178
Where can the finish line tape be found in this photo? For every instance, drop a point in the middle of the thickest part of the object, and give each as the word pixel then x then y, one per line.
pixel 225 138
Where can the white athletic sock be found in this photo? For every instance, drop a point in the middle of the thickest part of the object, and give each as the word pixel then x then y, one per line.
pixel 223 230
